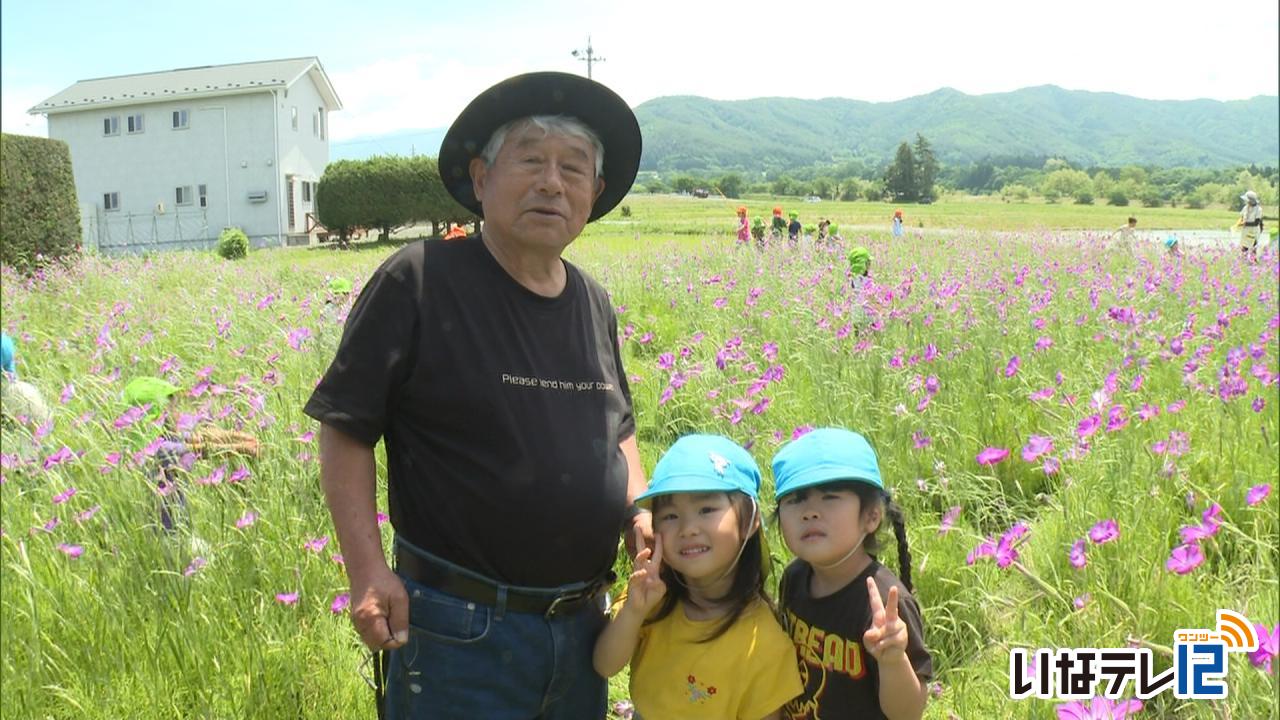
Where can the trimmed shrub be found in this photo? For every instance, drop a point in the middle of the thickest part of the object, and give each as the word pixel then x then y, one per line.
pixel 39 216
pixel 1117 198
pixel 233 244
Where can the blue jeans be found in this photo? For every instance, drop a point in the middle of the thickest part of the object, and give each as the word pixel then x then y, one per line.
pixel 469 661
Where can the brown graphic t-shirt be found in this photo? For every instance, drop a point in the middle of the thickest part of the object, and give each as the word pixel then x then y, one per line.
pixel 840 677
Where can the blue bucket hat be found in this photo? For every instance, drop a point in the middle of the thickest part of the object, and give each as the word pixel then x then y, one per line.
pixel 8 354
pixel 822 456
pixel 703 463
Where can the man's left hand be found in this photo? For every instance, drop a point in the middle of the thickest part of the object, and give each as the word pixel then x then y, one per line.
pixel 644 522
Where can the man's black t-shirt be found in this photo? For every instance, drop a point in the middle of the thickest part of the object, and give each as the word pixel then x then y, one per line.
pixel 502 412
pixel 840 677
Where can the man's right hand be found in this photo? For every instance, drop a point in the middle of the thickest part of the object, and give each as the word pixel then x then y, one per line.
pixel 380 608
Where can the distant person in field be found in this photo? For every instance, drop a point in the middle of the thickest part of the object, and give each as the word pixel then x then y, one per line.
pixel 757 232
pixel 779 225
pixel 148 398
pixel 1171 244
pixel 897 224
pixel 823 224
pixel 744 228
pixel 491 368
pixel 794 228
pixel 20 402
pixel 1250 224
pixel 455 233
pixel 1127 232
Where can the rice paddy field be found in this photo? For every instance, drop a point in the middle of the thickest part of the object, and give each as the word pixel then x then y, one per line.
pixel 1082 434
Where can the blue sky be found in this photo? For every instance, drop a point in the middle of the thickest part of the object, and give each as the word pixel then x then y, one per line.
pixel 407 65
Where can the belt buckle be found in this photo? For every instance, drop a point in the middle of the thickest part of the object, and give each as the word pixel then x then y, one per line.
pixel 563 599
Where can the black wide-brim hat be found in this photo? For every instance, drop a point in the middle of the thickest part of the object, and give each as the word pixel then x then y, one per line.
pixel 544 93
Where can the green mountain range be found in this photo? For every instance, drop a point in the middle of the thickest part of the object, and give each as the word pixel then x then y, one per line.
pixel 687 133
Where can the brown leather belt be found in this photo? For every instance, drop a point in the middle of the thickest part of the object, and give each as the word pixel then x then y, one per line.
pixel 548 602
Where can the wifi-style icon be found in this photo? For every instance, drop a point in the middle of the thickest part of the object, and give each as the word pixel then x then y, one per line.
pixel 1236 631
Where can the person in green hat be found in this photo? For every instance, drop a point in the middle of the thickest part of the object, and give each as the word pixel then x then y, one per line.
pixel 859 268
pixel 150 398
pixel 757 232
pixel 835 595
pixel 794 228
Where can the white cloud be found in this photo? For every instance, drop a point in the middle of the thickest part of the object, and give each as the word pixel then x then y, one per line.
pixel 13 110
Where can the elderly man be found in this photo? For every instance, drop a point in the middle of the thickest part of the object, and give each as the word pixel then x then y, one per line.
pixel 491 366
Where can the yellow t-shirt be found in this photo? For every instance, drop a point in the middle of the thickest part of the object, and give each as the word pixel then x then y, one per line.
pixel 745 674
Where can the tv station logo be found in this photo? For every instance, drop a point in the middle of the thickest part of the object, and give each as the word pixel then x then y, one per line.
pixel 1199 669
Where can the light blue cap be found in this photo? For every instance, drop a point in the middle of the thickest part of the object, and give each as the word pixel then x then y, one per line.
pixel 8 355
pixel 704 463
pixel 822 456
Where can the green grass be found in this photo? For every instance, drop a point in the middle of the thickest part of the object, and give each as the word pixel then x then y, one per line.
pixel 122 632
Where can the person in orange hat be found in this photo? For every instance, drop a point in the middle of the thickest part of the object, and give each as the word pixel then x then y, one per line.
pixel 897 223
pixel 455 233
pixel 779 224
pixel 744 228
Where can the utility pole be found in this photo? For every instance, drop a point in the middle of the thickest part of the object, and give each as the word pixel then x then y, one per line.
pixel 589 56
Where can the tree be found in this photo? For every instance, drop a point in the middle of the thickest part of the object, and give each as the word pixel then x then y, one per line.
pixel 1065 183
pixel 684 183
pixel 900 178
pixel 926 168
pixel 822 187
pixel 730 185
pixel 1015 192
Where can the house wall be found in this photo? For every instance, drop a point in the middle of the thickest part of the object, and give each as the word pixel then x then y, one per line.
pixel 228 146
pixel 303 152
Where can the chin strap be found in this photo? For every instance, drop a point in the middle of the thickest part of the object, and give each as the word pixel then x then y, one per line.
pixel 847 555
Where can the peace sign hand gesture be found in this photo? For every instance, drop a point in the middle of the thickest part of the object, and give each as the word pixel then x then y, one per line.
pixel 886 639
pixel 646 588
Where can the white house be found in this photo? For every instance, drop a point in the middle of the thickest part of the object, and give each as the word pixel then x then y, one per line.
pixel 168 159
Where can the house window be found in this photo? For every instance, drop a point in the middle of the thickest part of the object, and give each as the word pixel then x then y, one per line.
pixel 293 223
pixel 315 124
pixel 183 194
pixel 306 191
pixel 320 114
pixel 180 120
pixel 111 125
pixel 204 196
pixel 111 201
pixel 293 117
pixel 134 123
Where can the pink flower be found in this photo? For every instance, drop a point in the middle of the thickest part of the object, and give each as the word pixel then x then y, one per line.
pixel 1043 394
pixel 1116 418
pixel 986 548
pixel 382 518
pixel 920 440
pixel 64 496
pixel 1268 647
pixel 1184 559
pixel 1036 446
pixel 1099 708
pixel 1257 493
pixel 287 598
pixel 194 566
pixel 1051 466
pixel 1104 532
pixel 1077 556
pixel 74 551
pixel 1148 411
pixel 992 456
pixel 246 520
pixel 1044 342
pixel 1080 601
pixel 948 520
pixel 87 515
pixel 317 544
pixel 239 474
pixel 1088 426
pixel 340 603
pixel 1012 368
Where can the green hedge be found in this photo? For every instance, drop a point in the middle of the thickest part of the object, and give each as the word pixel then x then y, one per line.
pixel 38 210
pixel 384 193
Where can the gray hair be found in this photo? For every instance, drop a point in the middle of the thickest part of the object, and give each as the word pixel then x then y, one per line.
pixel 563 125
